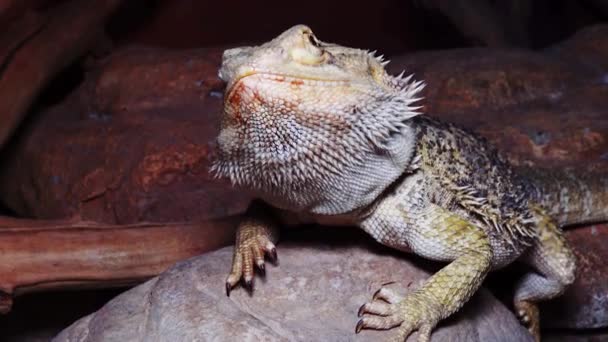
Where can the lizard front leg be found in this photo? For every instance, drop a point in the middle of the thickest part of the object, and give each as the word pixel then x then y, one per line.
pixel 255 237
pixel 437 234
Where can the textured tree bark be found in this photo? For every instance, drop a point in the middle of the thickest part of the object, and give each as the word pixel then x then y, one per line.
pixel 34 56
pixel 41 255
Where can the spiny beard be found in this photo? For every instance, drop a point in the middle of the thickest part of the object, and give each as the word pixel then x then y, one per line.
pixel 304 155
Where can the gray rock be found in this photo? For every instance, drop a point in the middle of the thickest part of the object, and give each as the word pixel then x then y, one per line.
pixel 313 295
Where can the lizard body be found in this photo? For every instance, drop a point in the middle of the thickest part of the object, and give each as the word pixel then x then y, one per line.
pixel 324 134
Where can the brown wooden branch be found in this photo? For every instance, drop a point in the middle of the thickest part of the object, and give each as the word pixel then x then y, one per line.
pixel 39 255
pixel 34 58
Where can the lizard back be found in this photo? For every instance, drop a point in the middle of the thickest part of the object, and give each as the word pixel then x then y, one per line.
pixel 477 178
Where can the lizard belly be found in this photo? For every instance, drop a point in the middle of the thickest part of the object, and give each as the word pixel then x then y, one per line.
pixel 401 221
pixel 290 218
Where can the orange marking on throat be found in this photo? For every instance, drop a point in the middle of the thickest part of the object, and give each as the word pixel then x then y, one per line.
pixel 235 102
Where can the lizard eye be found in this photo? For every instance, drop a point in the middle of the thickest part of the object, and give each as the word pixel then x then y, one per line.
pixel 314 41
pixel 309 53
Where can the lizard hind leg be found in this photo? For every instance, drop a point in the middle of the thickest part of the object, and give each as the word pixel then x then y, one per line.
pixel 554 267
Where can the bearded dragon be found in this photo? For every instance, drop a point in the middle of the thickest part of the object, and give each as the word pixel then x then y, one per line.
pixel 322 133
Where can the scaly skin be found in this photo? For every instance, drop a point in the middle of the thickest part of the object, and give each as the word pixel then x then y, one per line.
pixel 322 133
pixel 256 236
pixel 570 197
pixel 555 263
pixel 442 235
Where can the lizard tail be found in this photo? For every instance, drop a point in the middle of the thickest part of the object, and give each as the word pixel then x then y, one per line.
pixel 572 197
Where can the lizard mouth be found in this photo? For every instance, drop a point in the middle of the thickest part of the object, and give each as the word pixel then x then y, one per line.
pixel 292 80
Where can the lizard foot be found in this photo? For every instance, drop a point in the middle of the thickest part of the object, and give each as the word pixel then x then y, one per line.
pixel 528 314
pixel 253 242
pixel 389 309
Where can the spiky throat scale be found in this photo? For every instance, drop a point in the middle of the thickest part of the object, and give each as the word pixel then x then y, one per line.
pixel 325 142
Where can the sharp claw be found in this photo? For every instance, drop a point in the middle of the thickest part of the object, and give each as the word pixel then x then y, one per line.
pixel 387 283
pixel 361 311
pixel 359 327
pixel 273 254
pixel 249 284
pixel 375 296
pixel 228 289
pixel 262 269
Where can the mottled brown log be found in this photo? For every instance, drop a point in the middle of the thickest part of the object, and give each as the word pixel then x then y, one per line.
pixel 133 143
pixel 39 255
pixel 70 31
pixel 587 47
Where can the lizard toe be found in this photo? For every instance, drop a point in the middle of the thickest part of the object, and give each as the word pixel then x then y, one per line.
pixel 378 322
pixel 376 308
pixel 414 312
pixel 252 246
pixel 387 295
pixel 529 316
pixel 424 332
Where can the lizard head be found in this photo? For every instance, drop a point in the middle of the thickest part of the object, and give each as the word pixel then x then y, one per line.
pixel 296 107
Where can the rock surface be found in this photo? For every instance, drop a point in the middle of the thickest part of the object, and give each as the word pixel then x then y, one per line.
pixel 313 295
